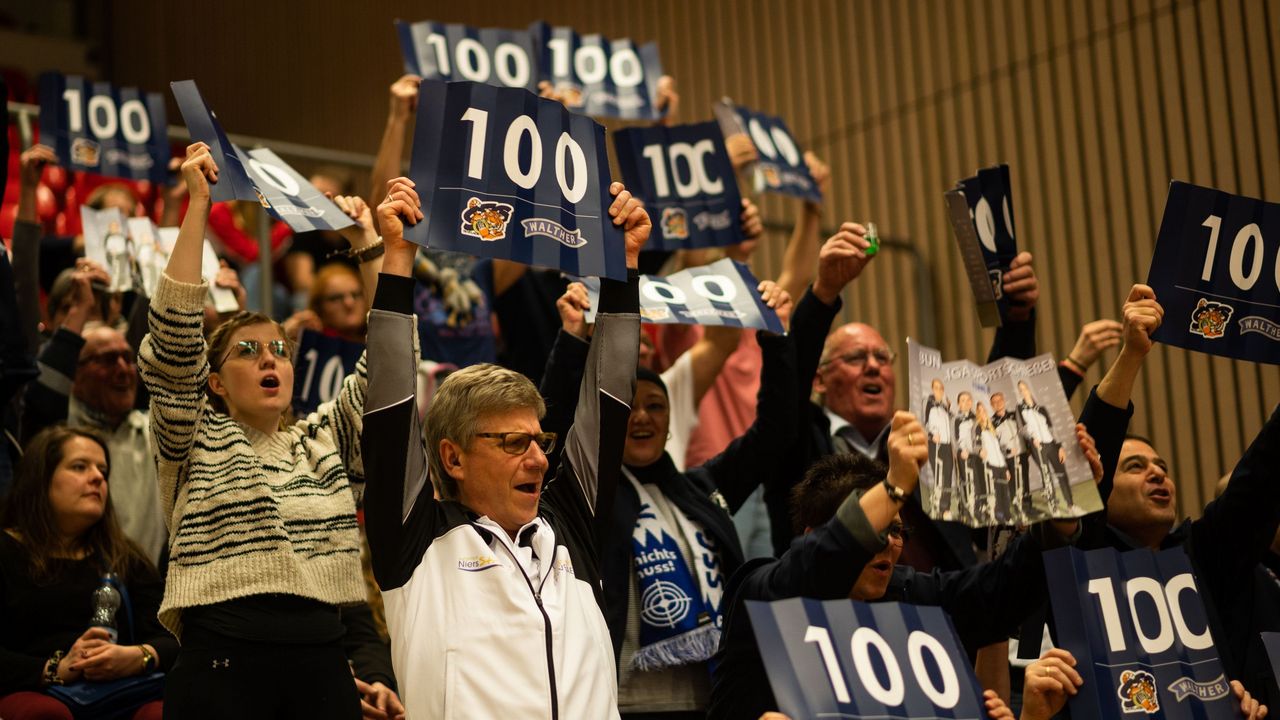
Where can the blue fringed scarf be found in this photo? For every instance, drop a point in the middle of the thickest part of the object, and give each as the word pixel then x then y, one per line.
pixel 679 601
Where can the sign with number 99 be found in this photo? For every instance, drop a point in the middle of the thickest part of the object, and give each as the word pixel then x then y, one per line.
pixel 99 128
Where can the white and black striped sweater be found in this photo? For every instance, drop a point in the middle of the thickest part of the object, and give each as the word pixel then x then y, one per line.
pixel 248 513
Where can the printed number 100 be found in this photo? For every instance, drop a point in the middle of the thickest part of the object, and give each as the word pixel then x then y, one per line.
pixel 1168 606
pixel 1248 236
pixel 893 693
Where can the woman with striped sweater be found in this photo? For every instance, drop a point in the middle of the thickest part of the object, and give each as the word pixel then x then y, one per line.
pixel 263 544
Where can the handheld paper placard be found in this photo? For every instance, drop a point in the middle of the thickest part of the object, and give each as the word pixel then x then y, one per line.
pixel 1002 445
pixel 1139 632
pixel 847 659
pixel 258 175
pixel 781 167
pixel 684 176
pixel 600 77
pixel 319 366
pixel 439 51
pixel 98 128
pixel 505 174
pixel 981 214
pixel 722 293
pixel 1216 273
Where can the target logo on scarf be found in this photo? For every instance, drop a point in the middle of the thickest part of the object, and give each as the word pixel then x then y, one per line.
pixel 664 604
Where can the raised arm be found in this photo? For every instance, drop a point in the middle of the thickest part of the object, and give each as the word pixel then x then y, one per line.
pixel 592 458
pixel 26 242
pixel 755 456
pixel 398 502
pixel 172 357
pixel 800 260
pixel 390 159
pixel 1016 338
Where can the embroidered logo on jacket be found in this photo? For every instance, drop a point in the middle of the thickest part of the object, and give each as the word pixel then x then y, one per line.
pixel 477 563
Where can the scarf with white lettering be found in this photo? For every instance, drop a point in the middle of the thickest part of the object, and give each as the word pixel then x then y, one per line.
pixel 679 600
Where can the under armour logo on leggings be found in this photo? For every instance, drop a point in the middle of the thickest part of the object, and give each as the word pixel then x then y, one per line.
pixel 226 663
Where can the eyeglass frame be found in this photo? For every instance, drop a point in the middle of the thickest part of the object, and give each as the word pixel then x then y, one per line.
pixel 328 298
pixel 129 356
pixel 898 530
pixel 272 346
pixel 548 436
pixel 850 358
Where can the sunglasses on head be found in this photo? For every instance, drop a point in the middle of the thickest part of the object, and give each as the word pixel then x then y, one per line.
pixel 516 443
pixel 251 349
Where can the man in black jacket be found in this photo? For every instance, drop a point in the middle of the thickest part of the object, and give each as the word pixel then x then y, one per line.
pixel 1234 532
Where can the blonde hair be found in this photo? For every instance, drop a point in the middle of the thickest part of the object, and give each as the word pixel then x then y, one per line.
pixel 462 400
pixel 326 273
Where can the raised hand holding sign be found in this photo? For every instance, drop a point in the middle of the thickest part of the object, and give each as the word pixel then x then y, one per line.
pixel 1216 270
pixel 258 175
pixel 779 163
pixel 506 174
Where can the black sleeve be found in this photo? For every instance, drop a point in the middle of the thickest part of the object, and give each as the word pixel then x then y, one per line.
pixel 17 346
pixel 47 398
pixel 810 322
pixel 1108 425
pixel 986 602
pixel 591 462
pixel 754 457
pixel 26 279
pixel 1015 339
pixel 1070 380
pixel 369 654
pixel 559 389
pixel 401 513
pixel 1240 525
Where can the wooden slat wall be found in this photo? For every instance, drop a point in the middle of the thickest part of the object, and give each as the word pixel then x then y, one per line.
pixel 1095 104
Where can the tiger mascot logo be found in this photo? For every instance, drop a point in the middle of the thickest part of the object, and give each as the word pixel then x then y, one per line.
pixel 1209 319
pixel 675 224
pixel 1137 692
pixel 486 220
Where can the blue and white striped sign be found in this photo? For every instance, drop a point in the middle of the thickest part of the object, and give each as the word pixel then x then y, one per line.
pixel 98 128
pixel 439 51
pixel 722 293
pixel 686 180
pixel 258 175
pixel 847 659
pixel 612 78
pixel 505 174
pixel 1139 632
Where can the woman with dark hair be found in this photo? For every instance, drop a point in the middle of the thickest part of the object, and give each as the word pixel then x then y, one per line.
pixel 60 543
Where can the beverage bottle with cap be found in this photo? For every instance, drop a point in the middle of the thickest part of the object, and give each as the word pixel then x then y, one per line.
pixel 106 602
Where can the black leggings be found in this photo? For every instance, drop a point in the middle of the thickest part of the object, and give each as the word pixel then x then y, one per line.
pixel 218 677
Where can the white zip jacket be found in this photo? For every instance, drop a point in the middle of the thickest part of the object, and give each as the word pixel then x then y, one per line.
pixel 481 626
